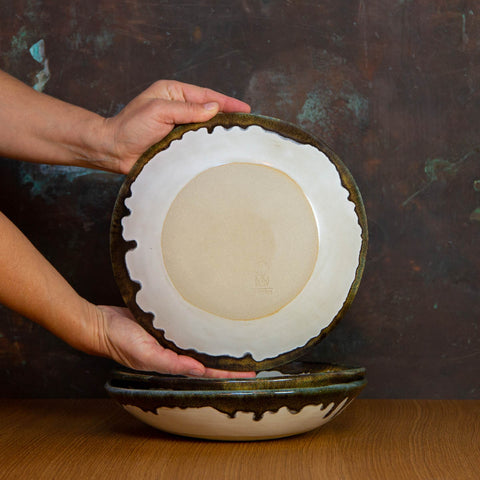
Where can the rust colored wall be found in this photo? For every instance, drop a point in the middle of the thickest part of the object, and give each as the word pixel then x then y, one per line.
pixel 392 86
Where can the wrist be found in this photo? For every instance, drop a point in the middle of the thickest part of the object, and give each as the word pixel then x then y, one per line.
pixel 84 328
pixel 91 337
pixel 97 146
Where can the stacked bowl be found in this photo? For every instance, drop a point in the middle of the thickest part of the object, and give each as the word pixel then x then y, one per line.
pixel 292 400
pixel 240 242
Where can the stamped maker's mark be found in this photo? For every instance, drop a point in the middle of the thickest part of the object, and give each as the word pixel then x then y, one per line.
pixel 262 280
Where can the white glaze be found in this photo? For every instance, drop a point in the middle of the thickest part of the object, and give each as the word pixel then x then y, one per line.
pixel 209 423
pixel 314 307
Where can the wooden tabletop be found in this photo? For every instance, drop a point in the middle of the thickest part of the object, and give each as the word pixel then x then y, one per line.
pixel 372 439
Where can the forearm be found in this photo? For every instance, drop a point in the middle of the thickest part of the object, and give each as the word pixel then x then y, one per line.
pixel 39 128
pixel 31 286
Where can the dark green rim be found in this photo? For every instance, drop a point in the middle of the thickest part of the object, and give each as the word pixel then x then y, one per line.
pixel 292 375
pixel 231 402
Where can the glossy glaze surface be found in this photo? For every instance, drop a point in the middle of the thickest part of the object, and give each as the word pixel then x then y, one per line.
pixel 293 375
pixel 236 415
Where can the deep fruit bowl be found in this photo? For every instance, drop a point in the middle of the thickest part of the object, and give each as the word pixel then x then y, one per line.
pixel 235 415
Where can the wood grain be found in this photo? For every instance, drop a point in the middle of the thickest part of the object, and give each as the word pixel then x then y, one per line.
pixel 373 439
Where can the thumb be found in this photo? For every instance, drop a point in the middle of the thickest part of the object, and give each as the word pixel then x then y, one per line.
pixel 186 112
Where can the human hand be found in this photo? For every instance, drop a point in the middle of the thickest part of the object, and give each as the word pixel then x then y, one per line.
pixel 39 128
pixel 126 342
pixel 153 114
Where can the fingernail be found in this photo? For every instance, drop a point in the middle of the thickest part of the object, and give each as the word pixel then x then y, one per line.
pixel 196 372
pixel 211 106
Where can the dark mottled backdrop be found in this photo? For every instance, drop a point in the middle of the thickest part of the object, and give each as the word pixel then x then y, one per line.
pixel 392 86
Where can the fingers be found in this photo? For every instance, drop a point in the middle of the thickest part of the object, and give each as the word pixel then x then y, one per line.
pixel 167 361
pixel 213 373
pixel 177 112
pixel 184 92
pixel 126 342
pixel 226 104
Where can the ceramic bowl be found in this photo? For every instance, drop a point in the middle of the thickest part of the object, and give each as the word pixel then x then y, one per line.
pixel 239 242
pixel 239 415
pixel 293 375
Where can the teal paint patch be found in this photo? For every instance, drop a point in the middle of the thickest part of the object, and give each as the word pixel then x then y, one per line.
pixel 37 51
pixel 357 104
pixel 325 106
pixel 32 15
pixel 475 215
pixel 19 43
pixel 438 169
pixel 37 187
pixel 49 181
pixel 103 41
pixel 464 29
pixel 476 185
pixel 282 83
pixel 337 40
pixel 315 108
pixel 43 76
pixel 98 43
pixel 279 85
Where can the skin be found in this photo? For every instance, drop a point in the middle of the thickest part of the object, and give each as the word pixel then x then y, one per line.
pixel 38 128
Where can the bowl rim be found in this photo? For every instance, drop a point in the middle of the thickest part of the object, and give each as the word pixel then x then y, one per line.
pixel 341 374
pixel 119 247
pixel 212 394
pixel 230 403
